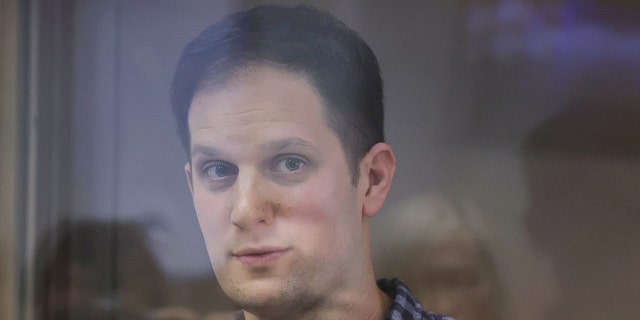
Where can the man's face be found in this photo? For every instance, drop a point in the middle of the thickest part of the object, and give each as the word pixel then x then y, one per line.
pixel 273 193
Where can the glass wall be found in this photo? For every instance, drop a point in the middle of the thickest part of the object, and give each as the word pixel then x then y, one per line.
pixel 9 88
pixel 516 125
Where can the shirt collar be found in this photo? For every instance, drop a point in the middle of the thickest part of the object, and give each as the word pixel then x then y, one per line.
pixel 405 306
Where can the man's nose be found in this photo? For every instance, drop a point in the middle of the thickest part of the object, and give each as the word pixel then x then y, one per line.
pixel 253 204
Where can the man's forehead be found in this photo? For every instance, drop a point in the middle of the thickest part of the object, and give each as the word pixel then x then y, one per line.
pixel 250 72
pixel 256 79
pixel 264 107
pixel 268 92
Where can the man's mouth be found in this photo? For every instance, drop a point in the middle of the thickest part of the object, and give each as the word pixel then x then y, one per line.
pixel 259 256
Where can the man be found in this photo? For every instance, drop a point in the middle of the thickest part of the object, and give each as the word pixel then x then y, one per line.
pixel 280 112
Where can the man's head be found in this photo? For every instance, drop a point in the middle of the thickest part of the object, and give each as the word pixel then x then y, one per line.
pixel 283 125
pixel 338 63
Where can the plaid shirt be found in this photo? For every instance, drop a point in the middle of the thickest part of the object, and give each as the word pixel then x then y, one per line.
pixel 405 306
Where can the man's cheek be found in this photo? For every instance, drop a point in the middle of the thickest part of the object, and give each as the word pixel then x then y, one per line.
pixel 212 233
pixel 217 253
pixel 210 217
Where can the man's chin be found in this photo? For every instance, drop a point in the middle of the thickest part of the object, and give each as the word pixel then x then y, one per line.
pixel 268 297
pixel 256 290
pixel 278 307
pixel 262 303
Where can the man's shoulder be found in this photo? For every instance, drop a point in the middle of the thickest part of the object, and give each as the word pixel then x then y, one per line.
pixel 405 306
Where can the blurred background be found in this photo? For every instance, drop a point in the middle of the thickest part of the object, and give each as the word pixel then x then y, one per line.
pixel 516 124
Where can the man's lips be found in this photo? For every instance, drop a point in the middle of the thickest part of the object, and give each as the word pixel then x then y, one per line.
pixel 257 256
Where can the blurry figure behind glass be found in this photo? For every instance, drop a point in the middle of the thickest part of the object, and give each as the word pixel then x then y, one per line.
pixel 98 270
pixel 583 167
pixel 438 244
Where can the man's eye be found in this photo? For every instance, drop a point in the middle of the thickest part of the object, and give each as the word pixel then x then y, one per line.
pixel 220 171
pixel 289 165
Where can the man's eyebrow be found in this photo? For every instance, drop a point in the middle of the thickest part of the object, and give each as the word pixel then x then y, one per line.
pixel 280 145
pixel 271 146
pixel 204 150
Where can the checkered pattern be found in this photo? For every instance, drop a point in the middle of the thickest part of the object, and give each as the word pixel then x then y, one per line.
pixel 405 306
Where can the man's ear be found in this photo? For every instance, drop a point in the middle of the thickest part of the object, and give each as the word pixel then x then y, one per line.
pixel 379 165
pixel 187 171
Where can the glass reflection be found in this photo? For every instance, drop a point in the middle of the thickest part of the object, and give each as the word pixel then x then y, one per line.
pixel 583 168
pixel 441 246
pixel 98 270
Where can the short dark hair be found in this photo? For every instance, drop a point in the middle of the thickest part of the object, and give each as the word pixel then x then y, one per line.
pixel 340 65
